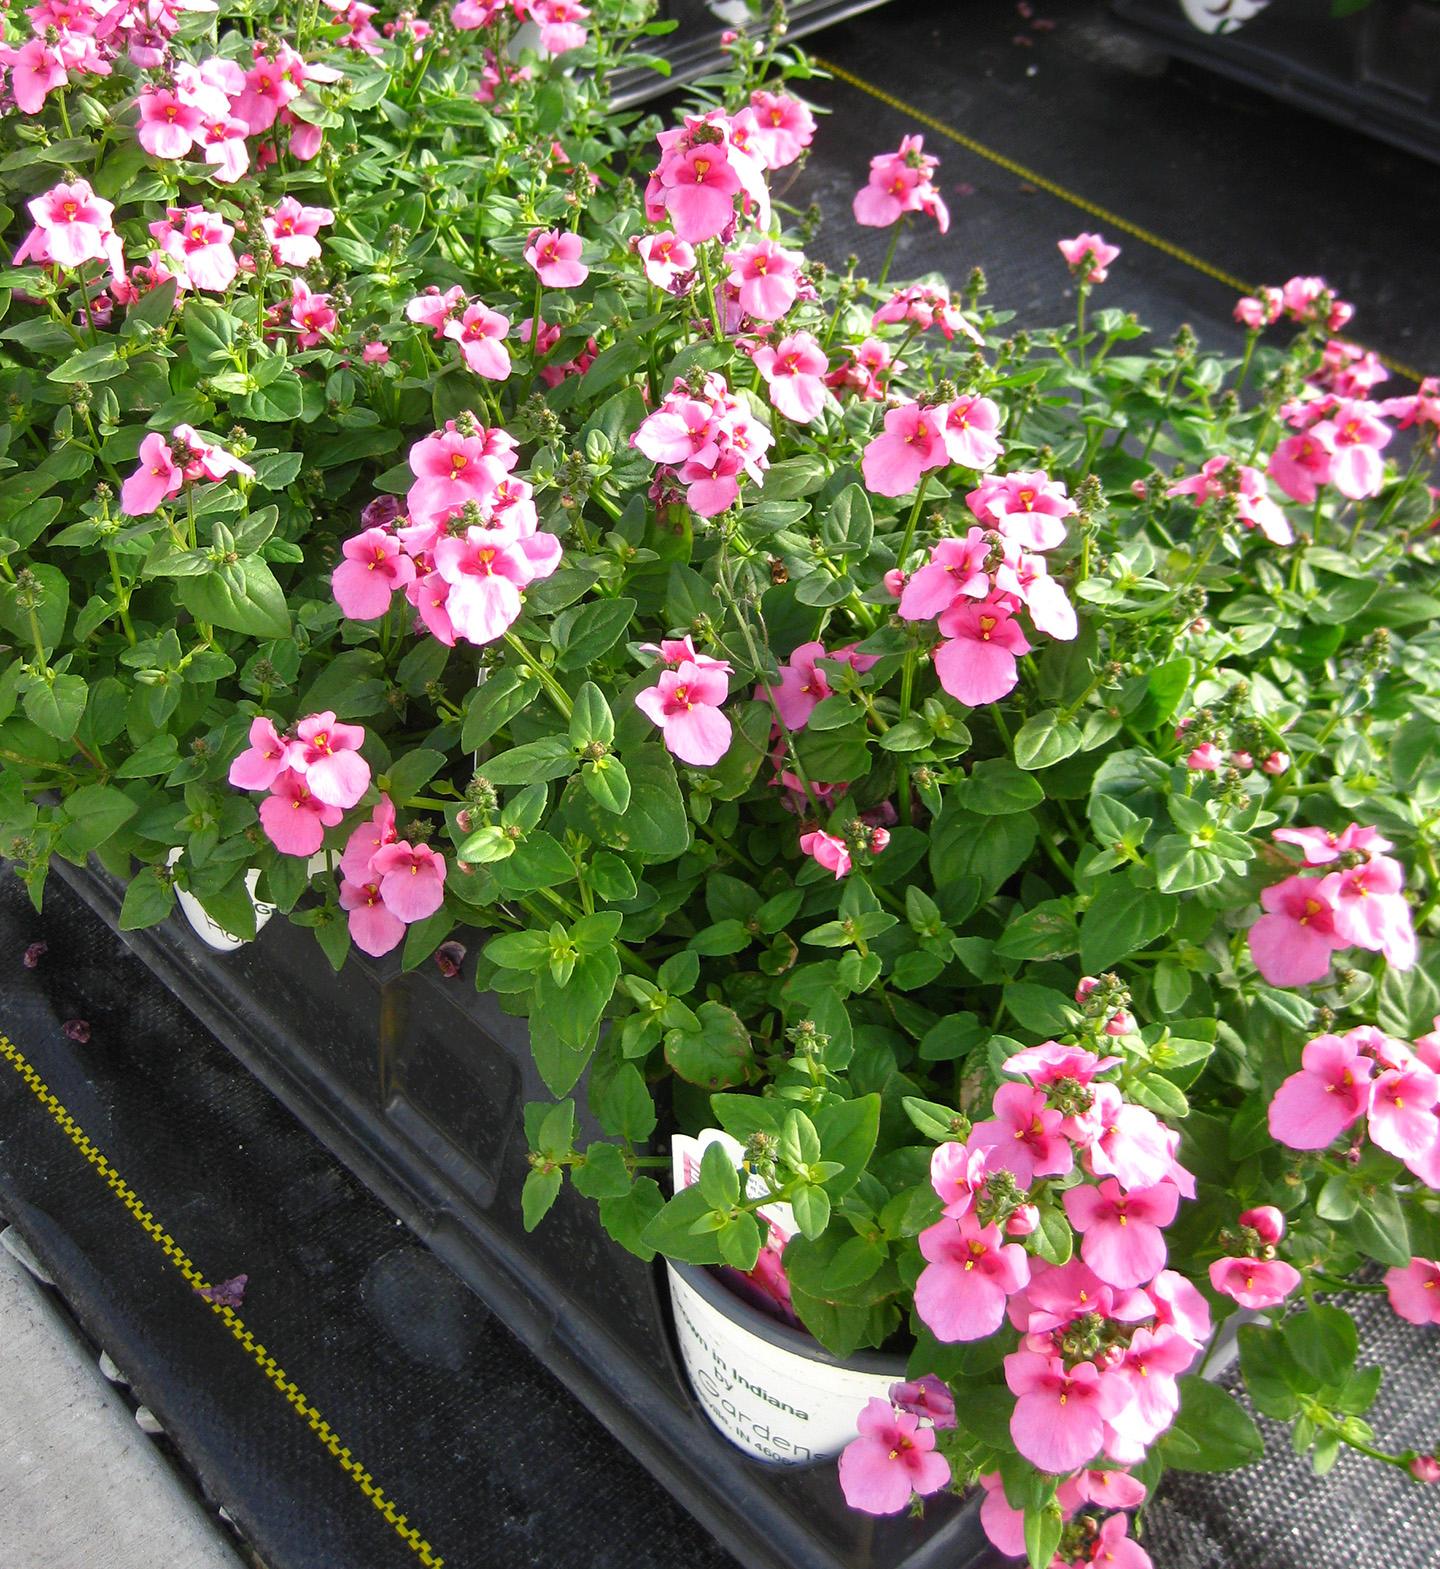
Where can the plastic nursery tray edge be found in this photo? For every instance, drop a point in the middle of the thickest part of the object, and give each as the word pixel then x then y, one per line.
pixel 769 1517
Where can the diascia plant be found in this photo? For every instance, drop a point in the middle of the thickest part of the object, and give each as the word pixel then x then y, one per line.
pixel 990 773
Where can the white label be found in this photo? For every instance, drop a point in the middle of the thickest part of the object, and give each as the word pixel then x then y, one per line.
pixel 775 1403
pixel 211 932
pixel 1221 16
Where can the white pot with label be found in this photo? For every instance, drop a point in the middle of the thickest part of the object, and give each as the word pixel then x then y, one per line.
pixel 210 931
pixel 773 1391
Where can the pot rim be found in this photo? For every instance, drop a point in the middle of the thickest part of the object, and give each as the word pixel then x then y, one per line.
pixel 796 1341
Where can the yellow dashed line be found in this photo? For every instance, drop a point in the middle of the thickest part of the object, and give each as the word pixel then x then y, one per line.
pixel 232 1320
pixel 1110 219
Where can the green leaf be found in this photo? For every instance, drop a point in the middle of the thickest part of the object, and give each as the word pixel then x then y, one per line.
pixel 583 634
pixel 719 1181
pixel 716 1055
pixel 552 757
pixel 1042 1534
pixel 541 1190
pixel 848 1130
pixel 996 788
pixel 148 900
pixel 985 849
pixel 56 705
pixel 627 1219
pixel 256 604
pixel 101 363
pixel 602 1174
pixel 1220 1433
pixel 1324 1342
pixel 96 812
pixel 655 827
pixel 1123 919
pixel 621 1102
pixel 591 721
pixel 671 1231
pixel 1379 1230
pixel 1272 1376
pixel 408 773
pixel 811 1205
pixel 1046 739
pixel 607 783
pixel 494 704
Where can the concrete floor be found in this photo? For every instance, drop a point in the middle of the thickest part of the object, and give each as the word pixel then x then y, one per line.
pixel 81 1487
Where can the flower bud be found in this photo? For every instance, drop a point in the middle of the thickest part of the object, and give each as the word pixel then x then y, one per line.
pixel 1266 1221
pixel 1425 1468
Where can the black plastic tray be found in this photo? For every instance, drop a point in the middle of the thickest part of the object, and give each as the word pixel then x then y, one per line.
pixel 694 47
pixel 1377 69
pixel 416 1084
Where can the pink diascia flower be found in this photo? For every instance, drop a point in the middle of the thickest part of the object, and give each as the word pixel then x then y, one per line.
pixel 1122 1243
pixel 294 817
pixel 1254 1282
pixel 912 443
pixel 803 684
pixel 327 753
pixel 667 260
pixel 970 1274
pixel 1027 507
pixel 977 663
pixel 1415 1291
pixel 1254 507
pixel 560 24
pixel 794 371
pixel 1025 1135
pixel 1313 1107
pixel 926 1396
pixel 827 850
pixel 1356 438
pixel 356 864
pixel 783 127
pixel 555 256
pixel 767 276
pixel 1089 257
pixel 157 479
pixel 686 706
pixel 970 430
pixel 374 928
pixel 480 332
pixel 1302 463
pixel 487 568
pixel 373 568
pixel 892 1458
pixel 168 127
pixel 1260 309
pixel 199 241
pixel 36 70
pixel 901 182
pixel 311 314
pixel 292 230
pixel 264 761
pixel 411 879
pixel 1292 942
pixel 72 226
pixel 1059 1419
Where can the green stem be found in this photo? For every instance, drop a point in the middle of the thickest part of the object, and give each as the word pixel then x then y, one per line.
pixel 553 689
pixel 712 303
pixel 911 523
pixel 895 233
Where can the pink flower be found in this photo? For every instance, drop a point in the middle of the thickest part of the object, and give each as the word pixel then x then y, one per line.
pixel 1291 944
pixel 258 768
pixel 1150 1365
pixel 667 259
pixel 1425 1468
pixel 375 353
pixel 168 126
pixel 292 228
pixel 555 256
pixel 1024 1136
pixel 767 276
pixel 686 706
pixel 977 662
pixel 970 427
pixel 1321 846
pixel 1122 1231
pixel 794 371
pixel 1370 909
pixel 373 928
pixel 677 430
pixel 1205 758
pixel 412 879
pixel 901 182
pixel 451 469
pixel 1113 1548
pixel 72 226
pixel 1026 507
pixel 560 29
pixel 970 1274
pixel 486 570
pixel 1254 507
pixel 1266 1222
pixel 803 684
pixel 1331 1090
pixel 366 840
pixel 1132 1144
pixel 1179 1305
pixel 711 481
pixel 311 314
pixel 1059 1419
pixel 1357 437
pixel 200 242
pixel 1415 1291
pixel 373 568
pixel 698 190
pixel 294 818
pixel 1402 1110
pixel 1089 257
pixel 1253 1282
pixel 913 442
pixel 892 1458
pixel 828 851
pixel 328 755
pixel 268 88
pixel 156 480
pixel 926 1396
pixel 1301 464
pixel 35 71
pixel 480 333
pixel 433 309
pixel 674 651
pixel 1259 310
pixel 783 128
pixel 1276 763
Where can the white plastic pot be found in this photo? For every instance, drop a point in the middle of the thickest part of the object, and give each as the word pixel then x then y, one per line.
pixel 770 1389
pixel 209 931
